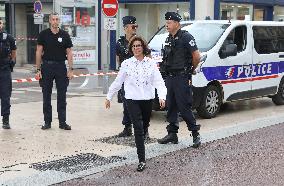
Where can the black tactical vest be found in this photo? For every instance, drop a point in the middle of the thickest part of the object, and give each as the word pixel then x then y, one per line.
pixel 4 46
pixel 178 58
pixel 123 49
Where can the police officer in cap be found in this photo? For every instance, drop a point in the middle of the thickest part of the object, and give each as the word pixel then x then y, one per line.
pixel 180 58
pixel 7 63
pixel 54 46
pixel 122 53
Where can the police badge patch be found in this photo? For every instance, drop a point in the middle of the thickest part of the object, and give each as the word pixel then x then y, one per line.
pixel 192 43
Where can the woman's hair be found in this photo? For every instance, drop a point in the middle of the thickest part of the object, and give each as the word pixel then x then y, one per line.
pixel 143 42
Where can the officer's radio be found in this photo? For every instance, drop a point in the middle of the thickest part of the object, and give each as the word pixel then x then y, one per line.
pixel 167 49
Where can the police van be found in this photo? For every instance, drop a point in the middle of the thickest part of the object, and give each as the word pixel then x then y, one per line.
pixel 239 60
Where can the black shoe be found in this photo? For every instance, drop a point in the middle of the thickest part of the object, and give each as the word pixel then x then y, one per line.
pixel 5 121
pixel 64 126
pixel 127 131
pixel 141 166
pixel 171 137
pixel 196 140
pixel 46 126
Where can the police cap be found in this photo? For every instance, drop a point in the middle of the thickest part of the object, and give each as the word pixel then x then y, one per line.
pixel 128 20
pixel 173 16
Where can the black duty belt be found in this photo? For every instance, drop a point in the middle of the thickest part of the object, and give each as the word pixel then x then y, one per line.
pixel 50 62
pixel 177 73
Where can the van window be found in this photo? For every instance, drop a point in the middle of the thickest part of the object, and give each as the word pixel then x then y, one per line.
pixel 206 35
pixel 237 36
pixel 268 39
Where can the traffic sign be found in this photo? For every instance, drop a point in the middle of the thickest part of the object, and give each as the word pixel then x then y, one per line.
pixel 110 23
pixel 110 7
pixel 37 6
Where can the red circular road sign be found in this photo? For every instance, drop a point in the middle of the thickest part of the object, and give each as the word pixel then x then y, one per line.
pixel 110 7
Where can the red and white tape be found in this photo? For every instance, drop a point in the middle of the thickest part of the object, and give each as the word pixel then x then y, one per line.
pixel 75 76
pixel 26 38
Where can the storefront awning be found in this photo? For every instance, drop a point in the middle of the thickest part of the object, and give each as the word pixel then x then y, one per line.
pixel 257 2
pixel 28 1
pixel 151 1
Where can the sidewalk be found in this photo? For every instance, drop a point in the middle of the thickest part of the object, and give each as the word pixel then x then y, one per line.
pixel 31 156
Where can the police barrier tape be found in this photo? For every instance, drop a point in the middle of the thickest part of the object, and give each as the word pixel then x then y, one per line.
pixel 26 38
pixel 75 76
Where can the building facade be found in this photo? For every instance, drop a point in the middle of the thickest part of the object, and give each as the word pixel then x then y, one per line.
pixel 84 21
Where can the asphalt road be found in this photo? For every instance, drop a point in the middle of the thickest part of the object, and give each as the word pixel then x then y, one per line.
pixel 251 158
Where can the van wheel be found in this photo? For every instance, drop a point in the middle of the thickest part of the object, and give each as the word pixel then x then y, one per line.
pixel 278 98
pixel 210 103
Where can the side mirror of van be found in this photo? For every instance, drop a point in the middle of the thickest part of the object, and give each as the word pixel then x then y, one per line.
pixel 228 50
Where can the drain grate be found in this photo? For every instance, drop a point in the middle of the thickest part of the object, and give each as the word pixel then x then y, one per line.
pixel 127 141
pixel 76 163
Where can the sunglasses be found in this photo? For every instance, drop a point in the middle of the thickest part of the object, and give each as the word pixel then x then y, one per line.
pixel 136 46
pixel 134 27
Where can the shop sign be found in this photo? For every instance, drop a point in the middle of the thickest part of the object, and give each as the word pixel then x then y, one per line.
pixel 84 56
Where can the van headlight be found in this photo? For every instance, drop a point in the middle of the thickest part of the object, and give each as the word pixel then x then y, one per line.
pixel 199 66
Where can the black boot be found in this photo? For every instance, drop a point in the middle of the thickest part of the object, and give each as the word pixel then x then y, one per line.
pixel 6 124
pixel 64 126
pixel 46 125
pixel 196 139
pixel 127 131
pixel 171 137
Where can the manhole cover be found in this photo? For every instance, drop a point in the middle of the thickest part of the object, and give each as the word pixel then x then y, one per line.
pixel 127 141
pixel 76 163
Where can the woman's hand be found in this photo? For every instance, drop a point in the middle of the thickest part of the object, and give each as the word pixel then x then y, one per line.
pixel 38 75
pixel 107 104
pixel 162 103
pixel 70 74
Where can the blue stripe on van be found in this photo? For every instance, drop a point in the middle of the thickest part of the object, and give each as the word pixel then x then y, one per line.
pixel 240 71
pixel 281 67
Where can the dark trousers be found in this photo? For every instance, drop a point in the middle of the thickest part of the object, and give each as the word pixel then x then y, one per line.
pixel 126 121
pixel 140 113
pixel 179 99
pixel 54 71
pixel 5 91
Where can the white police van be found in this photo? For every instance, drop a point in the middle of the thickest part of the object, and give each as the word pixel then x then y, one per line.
pixel 240 60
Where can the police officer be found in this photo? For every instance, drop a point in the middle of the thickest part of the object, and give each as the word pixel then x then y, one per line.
pixel 122 53
pixel 7 63
pixel 180 58
pixel 53 48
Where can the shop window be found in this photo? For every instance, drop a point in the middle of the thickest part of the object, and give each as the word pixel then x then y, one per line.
pixel 235 11
pixel 268 39
pixel 237 36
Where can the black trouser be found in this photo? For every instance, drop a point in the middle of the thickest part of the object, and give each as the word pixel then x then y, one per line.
pixel 179 99
pixel 126 121
pixel 5 91
pixel 54 70
pixel 140 113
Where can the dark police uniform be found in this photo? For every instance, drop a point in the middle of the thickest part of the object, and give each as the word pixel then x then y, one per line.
pixel 123 53
pixel 53 67
pixel 7 44
pixel 177 56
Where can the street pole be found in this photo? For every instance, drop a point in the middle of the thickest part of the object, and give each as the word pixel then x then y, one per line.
pixel 106 66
